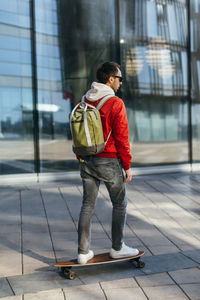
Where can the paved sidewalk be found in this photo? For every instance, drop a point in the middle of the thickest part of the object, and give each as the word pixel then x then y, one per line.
pixel 38 226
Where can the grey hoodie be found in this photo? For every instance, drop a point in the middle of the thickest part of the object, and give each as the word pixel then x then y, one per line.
pixel 98 90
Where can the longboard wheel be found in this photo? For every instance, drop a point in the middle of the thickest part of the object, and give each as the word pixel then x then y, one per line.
pixel 140 264
pixel 71 275
pixel 68 273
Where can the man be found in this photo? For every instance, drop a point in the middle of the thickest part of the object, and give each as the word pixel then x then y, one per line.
pixel 108 166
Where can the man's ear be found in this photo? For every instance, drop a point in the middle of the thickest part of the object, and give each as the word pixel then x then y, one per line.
pixel 110 79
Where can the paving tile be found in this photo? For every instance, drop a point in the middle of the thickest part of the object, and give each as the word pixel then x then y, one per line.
pixel 128 233
pixel 157 250
pixel 35 268
pixel 46 295
pixel 186 276
pixel 34 227
pixel 11 241
pixel 66 254
pixel 10 269
pixel 154 213
pixel 55 206
pixel 101 250
pixel 188 247
pixel 193 254
pixel 61 225
pixel 128 294
pixel 82 287
pixel 147 253
pixel 107 228
pixel 95 235
pixel 133 242
pixel 107 271
pixel 88 292
pixel 34 223
pixel 10 263
pixel 35 256
pixel 41 281
pixel 38 260
pixel 101 243
pixel 120 283
pixel 10 228
pixel 164 292
pixel 168 262
pixel 176 233
pixel 5 289
pixel 154 280
pixel 19 297
pixel 192 290
pixel 134 216
pixel 152 237
pixel 29 198
pixel 181 236
pixel 14 256
pixel 37 241
pixel 73 199
pixel 10 207
pixel 65 240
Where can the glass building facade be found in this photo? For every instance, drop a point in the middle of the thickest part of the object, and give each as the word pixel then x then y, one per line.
pixel 49 51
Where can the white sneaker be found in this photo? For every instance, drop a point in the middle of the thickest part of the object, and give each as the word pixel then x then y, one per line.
pixel 83 258
pixel 125 251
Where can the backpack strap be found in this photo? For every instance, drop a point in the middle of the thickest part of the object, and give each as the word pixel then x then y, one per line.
pixel 101 103
pixel 108 137
pixel 83 99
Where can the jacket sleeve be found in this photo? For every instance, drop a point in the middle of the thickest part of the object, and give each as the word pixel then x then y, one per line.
pixel 120 132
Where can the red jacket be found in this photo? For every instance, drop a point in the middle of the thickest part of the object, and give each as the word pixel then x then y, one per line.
pixel 113 116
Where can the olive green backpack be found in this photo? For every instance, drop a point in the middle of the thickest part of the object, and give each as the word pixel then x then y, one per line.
pixel 86 128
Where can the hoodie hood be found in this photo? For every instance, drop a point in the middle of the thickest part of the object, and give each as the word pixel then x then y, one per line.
pixel 98 90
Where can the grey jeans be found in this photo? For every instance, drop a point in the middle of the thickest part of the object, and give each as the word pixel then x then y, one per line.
pixel 93 170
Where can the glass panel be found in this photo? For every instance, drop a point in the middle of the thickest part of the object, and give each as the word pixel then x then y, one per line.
pixel 15 12
pixel 14 19
pixel 152 26
pixel 16 103
pixel 154 62
pixel 68 50
pixel 195 72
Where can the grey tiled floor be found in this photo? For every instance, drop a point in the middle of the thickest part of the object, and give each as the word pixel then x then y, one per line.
pixel 38 226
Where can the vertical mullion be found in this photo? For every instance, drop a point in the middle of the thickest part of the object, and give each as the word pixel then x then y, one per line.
pixel 117 30
pixel 189 84
pixel 117 39
pixel 34 88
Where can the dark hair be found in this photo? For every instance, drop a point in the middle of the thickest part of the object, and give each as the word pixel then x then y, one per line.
pixel 106 70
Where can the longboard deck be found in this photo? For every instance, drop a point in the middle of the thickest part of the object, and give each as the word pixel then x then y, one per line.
pixel 103 258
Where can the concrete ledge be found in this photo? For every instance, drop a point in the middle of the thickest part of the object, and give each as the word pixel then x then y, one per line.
pixel 18 178
pixel 74 175
pixel 196 167
pixel 42 177
pixel 162 169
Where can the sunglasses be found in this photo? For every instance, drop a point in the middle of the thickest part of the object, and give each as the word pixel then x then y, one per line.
pixel 120 78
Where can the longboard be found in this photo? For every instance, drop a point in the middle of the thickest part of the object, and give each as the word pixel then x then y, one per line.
pixel 99 259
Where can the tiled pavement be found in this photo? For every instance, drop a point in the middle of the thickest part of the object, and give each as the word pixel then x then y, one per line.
pixel 38 226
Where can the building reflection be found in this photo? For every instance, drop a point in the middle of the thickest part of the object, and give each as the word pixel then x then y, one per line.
pixel 154 56
pixel 150 41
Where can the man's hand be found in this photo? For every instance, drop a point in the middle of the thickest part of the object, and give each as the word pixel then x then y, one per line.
pixel 128 175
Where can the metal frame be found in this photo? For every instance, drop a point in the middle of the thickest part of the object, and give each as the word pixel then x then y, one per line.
pixel 189 84
pixel 34 88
